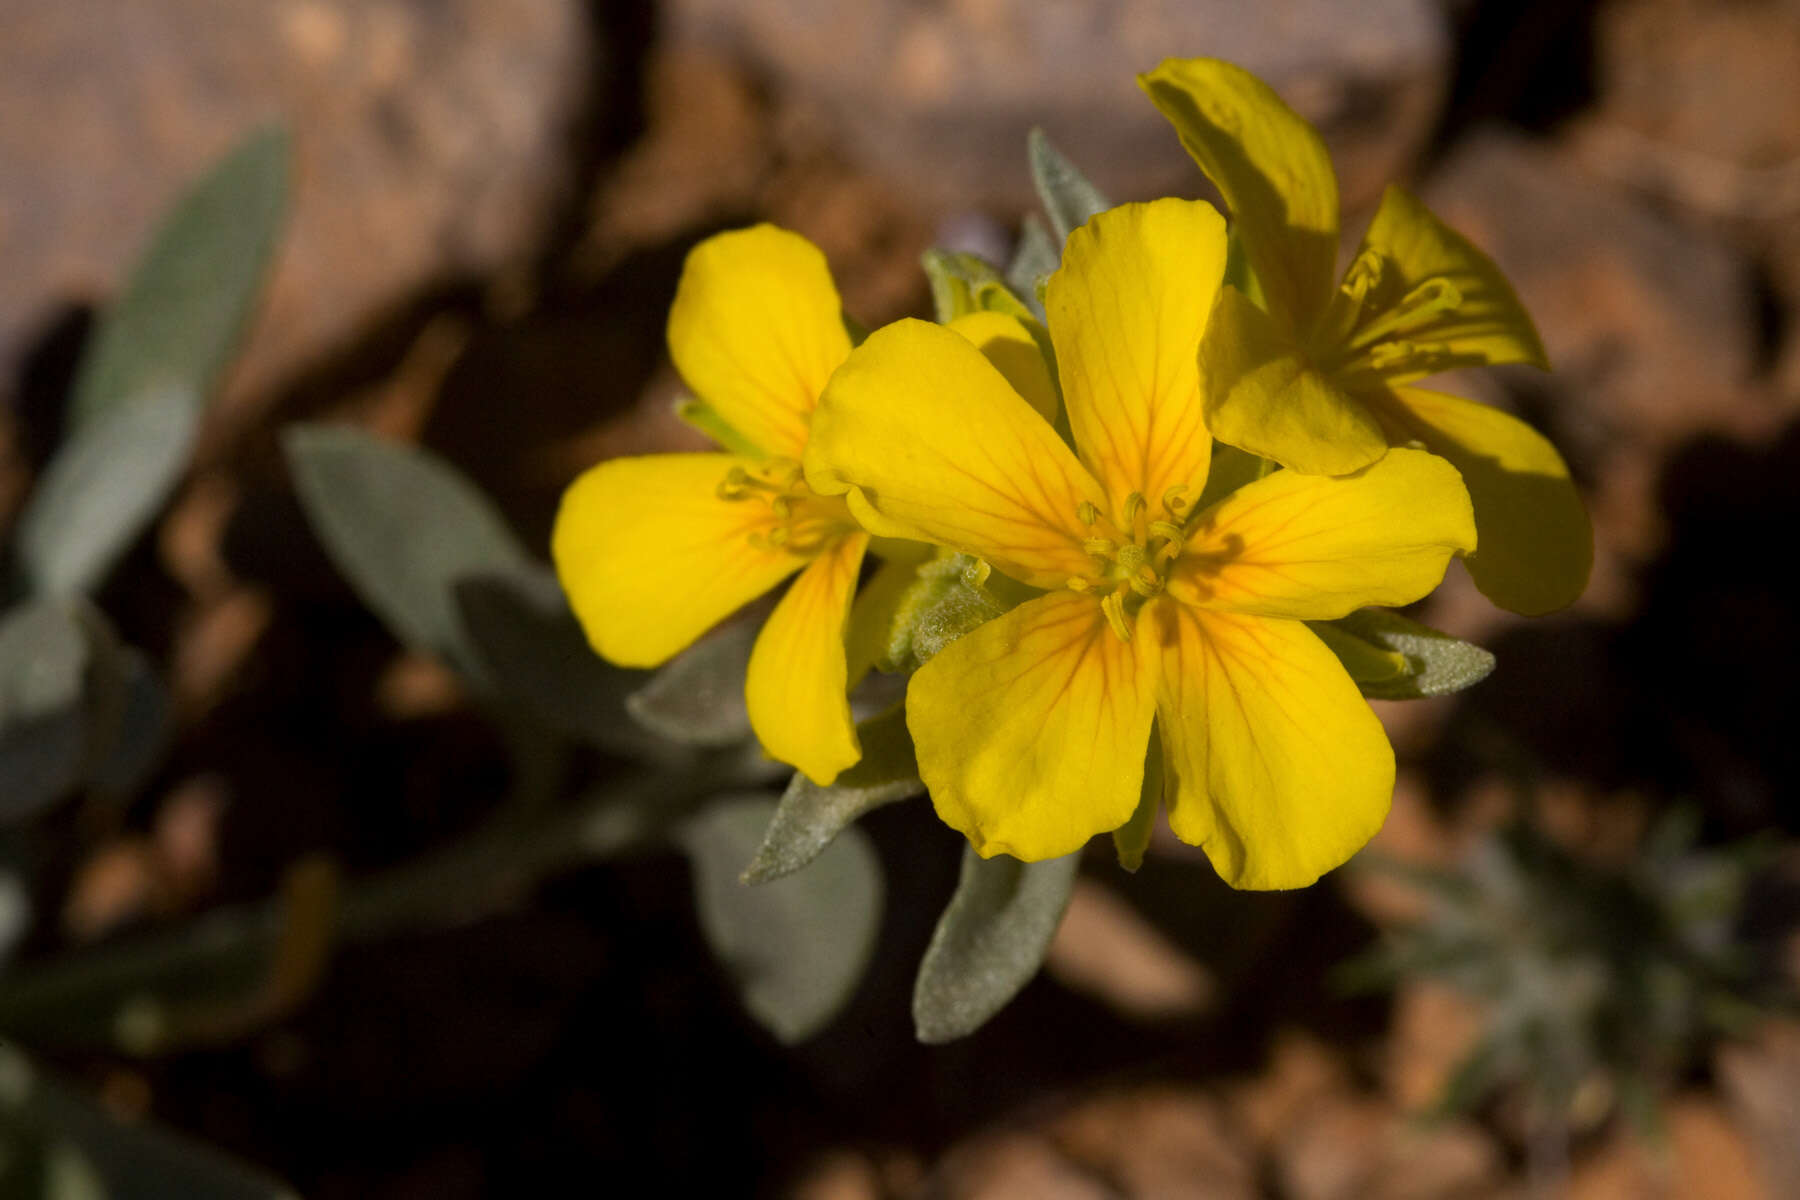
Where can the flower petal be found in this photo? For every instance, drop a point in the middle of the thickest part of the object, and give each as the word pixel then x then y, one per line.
pixel 1009 344
pixel 1265 396
pixel 1031 730
pixel 1126 310
pixel 798 682
pixel 1271 167
pixel 945 451
pixel 756 329
pixel 1315 548
pixel 1537 545
pixel 651 557
pixel 1487 326
pixel 1275 765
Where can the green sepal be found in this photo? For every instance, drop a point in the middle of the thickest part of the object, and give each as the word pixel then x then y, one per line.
pixel 963 283
pixel 1231 469
pixel 699 415
pixel 951 595
pixel 1069 198
pixel 990 941
pixel 1131 839
pixel 1393 658
pixel 810 815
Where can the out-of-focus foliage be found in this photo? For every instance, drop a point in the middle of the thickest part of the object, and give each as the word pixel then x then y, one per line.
pixel 1604 980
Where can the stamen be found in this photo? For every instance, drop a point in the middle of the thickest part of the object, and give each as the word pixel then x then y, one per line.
pixel 1087 513
pixel 1114 608
pixel 1079 583
pixel 1174 500
pixel 1167 529
pixel 1134 505
pixel 1146 583
pixel 735 485
pixel 1393 358
pixel 976 573
pixel 1360 281
pixel 1418 307
pixel 782 507
pixel 1099 547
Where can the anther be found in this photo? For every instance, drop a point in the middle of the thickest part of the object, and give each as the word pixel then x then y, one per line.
pixel 1079 583
pixel 1146 583
pixel 782 507
pixel 1114 608
pixel 1174 500
pixel 976 573
pixel 1086 512
pixel 1167 529
pixel 1134 504
pixel 1423 304
pixel 1099 547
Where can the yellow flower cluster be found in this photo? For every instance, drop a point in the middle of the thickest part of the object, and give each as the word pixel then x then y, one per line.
pixel 1163 636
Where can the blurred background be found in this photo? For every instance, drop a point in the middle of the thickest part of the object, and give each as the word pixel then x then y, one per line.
pixel 491 202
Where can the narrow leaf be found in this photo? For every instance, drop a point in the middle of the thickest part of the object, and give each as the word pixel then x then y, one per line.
pixel 1068 198
pixel 698 698
pixel 989 942
pixel 179 317
pixel 103 486
pixel 795 948
pixel 406 529
pixel 1393 658
pixel 810 816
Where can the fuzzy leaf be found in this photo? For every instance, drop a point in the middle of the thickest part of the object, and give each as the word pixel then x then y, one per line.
pixel 990 941
pixel 810 816
pixel 698 698
pixel 103 486
pixel 1393 658
pixel 178 319
pixel 795 948
pixel 406 529
pixel 1068 198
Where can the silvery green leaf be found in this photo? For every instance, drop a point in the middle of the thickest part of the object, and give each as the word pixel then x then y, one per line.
pixel 103 486
pixel 1393 658
pixel 810 815
pixel 1068 198
pixel 796 948
pixel 698 698
pixel 179 317
pixel 406 529
pixel 1034 260
pixel 44 656
pixel 990 941
pixel 531 648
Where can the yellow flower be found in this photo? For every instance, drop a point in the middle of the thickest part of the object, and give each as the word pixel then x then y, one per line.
pixel 654 551
pixel 1032 730
pixel 1316 377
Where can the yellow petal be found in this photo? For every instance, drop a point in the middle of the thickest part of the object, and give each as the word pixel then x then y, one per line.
pixel 1264 396
pixel 756 329
pixel 1126 310
pixel 1031 730
pixel 651 557
pixel 1272 169
pixel 1275 765
pixel 1537 546
pixel 798 681
pixel 1011 345
pixel 1487 325
pixel 1315 547
pixel 945 451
